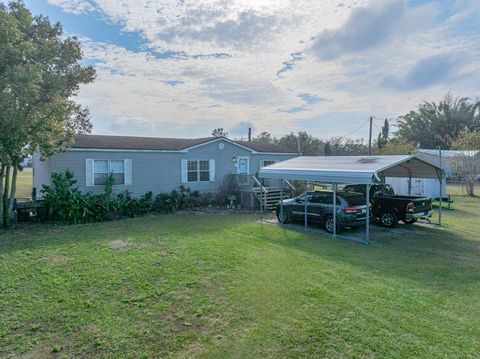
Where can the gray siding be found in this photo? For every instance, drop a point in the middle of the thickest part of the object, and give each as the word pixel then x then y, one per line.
pixel 152 171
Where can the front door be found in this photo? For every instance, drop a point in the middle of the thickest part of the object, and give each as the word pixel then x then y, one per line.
pixel 243 164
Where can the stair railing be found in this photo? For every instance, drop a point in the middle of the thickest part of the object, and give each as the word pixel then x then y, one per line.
pixel 264 192
pixel 292 187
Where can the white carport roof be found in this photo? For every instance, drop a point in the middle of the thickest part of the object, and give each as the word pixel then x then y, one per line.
pixel 351 169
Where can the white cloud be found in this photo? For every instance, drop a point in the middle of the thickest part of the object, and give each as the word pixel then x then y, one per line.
pixel 74 6
pixel 257 57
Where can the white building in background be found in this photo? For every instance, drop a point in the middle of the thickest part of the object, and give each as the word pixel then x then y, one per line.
pixel 425 186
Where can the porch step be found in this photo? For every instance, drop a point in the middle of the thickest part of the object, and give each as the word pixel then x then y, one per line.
pixel 270 199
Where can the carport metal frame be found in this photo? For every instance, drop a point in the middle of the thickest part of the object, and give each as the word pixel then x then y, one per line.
pixel 375 179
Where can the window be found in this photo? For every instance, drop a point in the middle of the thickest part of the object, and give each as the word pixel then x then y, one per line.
pixel 102 168
pixel 204 171
pixel 100 172
pixel 198 171
pixel 117 169
pixel 192 171
pixel 268 163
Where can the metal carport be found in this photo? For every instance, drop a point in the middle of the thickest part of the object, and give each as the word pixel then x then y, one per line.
pixel 365 170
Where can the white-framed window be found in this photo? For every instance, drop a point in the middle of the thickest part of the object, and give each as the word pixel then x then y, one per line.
pixel 100 172
pixel 192 171
pixel 102 168
pixel 267 163
pixel 117 169
pixel 198 170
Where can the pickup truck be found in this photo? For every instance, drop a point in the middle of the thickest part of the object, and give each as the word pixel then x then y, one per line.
pixel 388 208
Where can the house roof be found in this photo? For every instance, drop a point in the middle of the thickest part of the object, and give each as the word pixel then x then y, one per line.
pixel 350 169
pixel 165 144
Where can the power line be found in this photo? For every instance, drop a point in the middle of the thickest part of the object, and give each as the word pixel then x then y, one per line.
pixel 348 134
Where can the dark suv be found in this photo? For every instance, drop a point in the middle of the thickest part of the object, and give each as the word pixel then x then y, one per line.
pixel 351 209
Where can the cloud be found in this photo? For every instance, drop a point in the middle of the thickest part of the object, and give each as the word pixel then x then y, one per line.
pixel 74 6
pixel 229 63
pixel 241 129
pixel 369 27
pixel 426 72
pixel 246 30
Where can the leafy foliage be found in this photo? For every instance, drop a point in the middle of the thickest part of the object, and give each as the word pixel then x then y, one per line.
pixel 40 74
pixel 67 204
pixel 435 125
pixel 183 198
pixel 219 132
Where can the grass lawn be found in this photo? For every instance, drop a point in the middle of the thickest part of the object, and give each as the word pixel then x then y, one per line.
pixel 24 183
pixel 218 286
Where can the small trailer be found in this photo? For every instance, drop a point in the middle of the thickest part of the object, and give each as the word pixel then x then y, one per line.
pixel 31 210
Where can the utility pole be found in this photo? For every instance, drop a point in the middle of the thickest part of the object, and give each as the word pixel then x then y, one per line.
pixel 370 137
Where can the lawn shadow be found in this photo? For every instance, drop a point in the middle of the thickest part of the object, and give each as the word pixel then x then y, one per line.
pixel 432 255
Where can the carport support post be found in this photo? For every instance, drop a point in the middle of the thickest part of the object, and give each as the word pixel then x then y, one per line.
pixel 440 178
pixel 281 199
pixel 305 206
pixel 367 226
pixel 334 209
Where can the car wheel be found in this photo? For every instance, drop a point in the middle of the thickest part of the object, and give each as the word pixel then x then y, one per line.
pixel 283 216
pixel 328 225
pixel 389 219
pixel 409 221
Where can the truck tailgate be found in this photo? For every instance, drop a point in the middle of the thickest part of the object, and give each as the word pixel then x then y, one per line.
pixel 422 205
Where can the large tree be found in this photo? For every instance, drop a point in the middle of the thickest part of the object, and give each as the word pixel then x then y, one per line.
pixel 40 74
pixel 435 125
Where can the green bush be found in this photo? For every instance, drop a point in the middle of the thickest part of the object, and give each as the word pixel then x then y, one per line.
pixel 67 204
pixel 65 201
pixel 183 198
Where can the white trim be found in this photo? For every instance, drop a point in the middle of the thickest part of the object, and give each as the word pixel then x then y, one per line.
pixel 248 164
pixel 76 149
pixel 219 139
pixel 183 150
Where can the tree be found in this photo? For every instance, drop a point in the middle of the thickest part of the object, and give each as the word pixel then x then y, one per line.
pixel 327 149
pixel 40 74
pixel 396 147
pixel 383 135
pixel 219 132
pixel 341 146
pixel 467 163
pixel 437 125
pixel 264 137
pixel 302 142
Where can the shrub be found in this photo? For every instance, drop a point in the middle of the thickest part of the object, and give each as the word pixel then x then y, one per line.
pixel 228 187
pixel 66 203
pixel 183 198
pixel 166 203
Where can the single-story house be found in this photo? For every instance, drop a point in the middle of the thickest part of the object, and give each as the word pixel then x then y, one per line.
pixel 142 164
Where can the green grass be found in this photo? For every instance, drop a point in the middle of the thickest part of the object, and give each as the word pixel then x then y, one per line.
pixel 219 286
pixel 24 183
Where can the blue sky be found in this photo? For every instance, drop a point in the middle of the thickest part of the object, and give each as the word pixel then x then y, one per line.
pixel 180 68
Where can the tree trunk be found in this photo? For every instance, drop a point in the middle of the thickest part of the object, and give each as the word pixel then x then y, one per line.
pixel 6 190
pixel 471 189
pixel 13 191
pixel 2 176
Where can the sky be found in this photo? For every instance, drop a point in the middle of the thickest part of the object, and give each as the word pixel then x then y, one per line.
pixel 179 68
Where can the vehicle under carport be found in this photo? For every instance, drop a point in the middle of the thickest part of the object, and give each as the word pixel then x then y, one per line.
pixel 365 170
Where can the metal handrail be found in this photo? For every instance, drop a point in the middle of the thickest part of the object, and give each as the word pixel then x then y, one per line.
pixel 255 179
pixel 292 187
